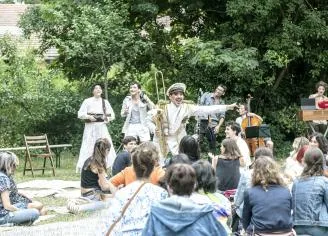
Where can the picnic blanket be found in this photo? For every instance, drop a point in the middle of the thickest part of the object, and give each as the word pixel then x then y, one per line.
pixel 84 227
pixel 56 188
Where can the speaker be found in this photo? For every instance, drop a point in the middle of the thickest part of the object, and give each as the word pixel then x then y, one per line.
pixel 262 131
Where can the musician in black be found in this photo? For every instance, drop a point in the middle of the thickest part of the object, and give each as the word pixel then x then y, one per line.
pixel 210 124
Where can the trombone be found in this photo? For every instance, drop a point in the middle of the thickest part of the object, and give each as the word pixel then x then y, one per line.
pixel 156 84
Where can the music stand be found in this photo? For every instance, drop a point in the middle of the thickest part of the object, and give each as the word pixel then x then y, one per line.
pixel 262 131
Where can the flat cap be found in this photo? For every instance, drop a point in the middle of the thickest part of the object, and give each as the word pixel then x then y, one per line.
pixel 177 87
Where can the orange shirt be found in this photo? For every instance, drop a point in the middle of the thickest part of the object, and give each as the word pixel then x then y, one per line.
pixel 128 175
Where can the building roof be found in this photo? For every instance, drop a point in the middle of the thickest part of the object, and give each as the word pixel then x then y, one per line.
pixel 9 18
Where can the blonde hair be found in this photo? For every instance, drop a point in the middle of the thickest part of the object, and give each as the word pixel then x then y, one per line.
pixel 8 160
pixel 266 172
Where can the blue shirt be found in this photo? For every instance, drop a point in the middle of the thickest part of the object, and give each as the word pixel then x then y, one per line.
pixel 208 99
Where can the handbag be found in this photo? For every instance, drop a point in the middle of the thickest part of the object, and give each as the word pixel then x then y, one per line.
pixel 124 209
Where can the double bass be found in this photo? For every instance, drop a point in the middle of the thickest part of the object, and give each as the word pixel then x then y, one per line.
pixel 250 121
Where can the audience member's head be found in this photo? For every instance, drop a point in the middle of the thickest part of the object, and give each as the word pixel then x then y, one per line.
pixel 180 158
pixel 301 152
pixel 180 179
pixel 144 158
pixel 313 162
pixel 206 179
pixel 232 129
pixel 8 162
pixel 98 159
pixel 263 151
pixel 230 149
pixel 129 142
pixel 299 142
pixel 320 141
pixel 269 143
pixel 266 172
pixel 189 146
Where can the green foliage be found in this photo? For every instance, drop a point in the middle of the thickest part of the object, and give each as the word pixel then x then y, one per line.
pixel 89 37
pixel 34 99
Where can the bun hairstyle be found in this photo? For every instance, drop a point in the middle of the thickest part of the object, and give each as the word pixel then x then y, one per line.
pixel 98 158
pixel 313 159
pixel 144 158
pixel 181 178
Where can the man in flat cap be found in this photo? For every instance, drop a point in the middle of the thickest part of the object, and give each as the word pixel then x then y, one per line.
pixel 171 118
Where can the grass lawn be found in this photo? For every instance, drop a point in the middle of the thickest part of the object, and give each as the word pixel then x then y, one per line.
pixel 65 172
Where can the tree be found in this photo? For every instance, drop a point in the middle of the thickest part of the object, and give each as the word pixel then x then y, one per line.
pixel 90 36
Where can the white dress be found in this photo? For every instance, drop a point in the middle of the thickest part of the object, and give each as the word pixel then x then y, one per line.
pixel 94 130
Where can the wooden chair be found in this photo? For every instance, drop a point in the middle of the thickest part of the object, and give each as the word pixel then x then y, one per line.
pixel 37 147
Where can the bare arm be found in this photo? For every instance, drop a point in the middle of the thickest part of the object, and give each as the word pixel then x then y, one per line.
pixel 6 201
pixel 105 184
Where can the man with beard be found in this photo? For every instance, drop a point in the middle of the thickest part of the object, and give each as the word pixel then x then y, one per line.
pixel 171 118
pixel 210 124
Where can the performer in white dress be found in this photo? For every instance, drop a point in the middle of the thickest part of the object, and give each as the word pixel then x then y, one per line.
pixel 92 112
pixel 171 118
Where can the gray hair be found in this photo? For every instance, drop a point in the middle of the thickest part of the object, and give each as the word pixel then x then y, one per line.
pixel 7 161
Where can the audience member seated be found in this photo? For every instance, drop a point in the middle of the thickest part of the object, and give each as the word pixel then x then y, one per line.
pixel 123 159
pixel 298 143
pixel 245 182
pixel 178 214
pixel 294 171
pixel 320 141
pixel 94 183
pixel 227 165
pixel 189 146
pixel 267 205
pixel 128 175
pixel 15 208
pixel 205 192
pixel 310 196
pixel 128 211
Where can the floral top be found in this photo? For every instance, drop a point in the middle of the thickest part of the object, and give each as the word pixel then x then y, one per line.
pixel 7 184
pixel 136 215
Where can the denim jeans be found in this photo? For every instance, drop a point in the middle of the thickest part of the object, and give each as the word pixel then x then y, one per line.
pixel 22 216
pixel 311 230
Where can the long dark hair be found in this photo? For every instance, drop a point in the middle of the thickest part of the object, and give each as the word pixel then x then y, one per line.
pixel 98 159
pixel 205 175
pixel 189 146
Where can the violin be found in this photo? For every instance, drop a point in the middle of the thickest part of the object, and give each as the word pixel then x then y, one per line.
pixel 249 121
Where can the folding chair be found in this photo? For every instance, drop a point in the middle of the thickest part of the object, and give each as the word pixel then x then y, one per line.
pixel 38 147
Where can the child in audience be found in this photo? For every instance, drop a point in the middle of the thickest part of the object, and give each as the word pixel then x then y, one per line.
pixel 178 214
pixel 123 159
pixel 15 208
pixel 310 196
pixel 227 165
pixel 267 205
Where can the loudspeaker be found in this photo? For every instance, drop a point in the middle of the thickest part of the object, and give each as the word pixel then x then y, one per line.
pixel 262 131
